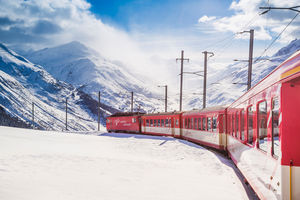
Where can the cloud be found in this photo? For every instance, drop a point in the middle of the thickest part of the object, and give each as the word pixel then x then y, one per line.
pixel 36 24
pixel 247 16
pixel 205 19
pixel 46 27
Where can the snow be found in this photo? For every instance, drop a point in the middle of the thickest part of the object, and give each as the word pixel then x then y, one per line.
pixel 54 165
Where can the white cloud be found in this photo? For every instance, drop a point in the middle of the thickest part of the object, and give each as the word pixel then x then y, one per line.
pixel 71 20
pixel 246 16
pixel 205 19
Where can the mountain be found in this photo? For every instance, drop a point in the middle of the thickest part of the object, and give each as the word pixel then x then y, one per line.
pixel 226 86
pixel 83 67
pixel 25 86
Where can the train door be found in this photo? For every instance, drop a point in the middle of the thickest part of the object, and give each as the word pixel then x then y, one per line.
pixel 289 137
pixel 173 126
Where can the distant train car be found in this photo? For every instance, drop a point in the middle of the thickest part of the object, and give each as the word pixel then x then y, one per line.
pixel 124 122
pixel 164 124
pixel 263 130
pixel 206 127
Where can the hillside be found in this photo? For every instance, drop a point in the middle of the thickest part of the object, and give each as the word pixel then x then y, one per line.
pixel 23 83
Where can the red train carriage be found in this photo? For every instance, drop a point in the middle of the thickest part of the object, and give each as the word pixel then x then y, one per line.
pixel 206 126
pixel 263 136
pixel 167 124
pixel 124 122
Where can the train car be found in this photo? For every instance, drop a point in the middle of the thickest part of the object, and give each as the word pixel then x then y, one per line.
pixel 263 133
pixel 164 124
pixel 124 122
pixel 206 127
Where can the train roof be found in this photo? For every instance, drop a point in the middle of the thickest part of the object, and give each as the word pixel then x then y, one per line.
pixel 164 113
pixel 208 109
pixel 120 114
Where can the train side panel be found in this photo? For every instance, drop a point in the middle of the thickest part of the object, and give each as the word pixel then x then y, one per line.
pixel 206 128
pixel 124 124
pixel 164 124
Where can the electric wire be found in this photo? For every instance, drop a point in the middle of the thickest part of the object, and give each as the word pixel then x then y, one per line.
pixel 277 37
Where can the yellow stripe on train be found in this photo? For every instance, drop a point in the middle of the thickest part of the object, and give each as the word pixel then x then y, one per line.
pixel 290 72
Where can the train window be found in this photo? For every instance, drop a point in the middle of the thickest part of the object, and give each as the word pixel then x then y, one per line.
pixel 133 120
pixel 151 122
pixel 237 124
pixel 177 122
pixel 170 122
pixel 185 123
pixel 189 123
pixel 209 124
pixel 250 124
pixel 199 123
pixel 262 126
pixel 192 123
pixel 155 122
pixel 214 124
pixel 242 125
pixel 158 122
pixel 232 124
pixel 195 123
pixel 228 124
pixel 167 122
pixel 147 122
pixel 224 124
pixel 204 123
pixel 275 127
pixel 162 122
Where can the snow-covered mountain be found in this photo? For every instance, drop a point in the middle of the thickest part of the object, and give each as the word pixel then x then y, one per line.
pixel 221 88
pixel 76 64
pixel 23 83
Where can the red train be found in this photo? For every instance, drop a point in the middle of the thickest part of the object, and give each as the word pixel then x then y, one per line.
pixel 260 131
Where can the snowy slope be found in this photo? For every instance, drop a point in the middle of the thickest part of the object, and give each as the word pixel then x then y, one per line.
pixel 50 165
pixel 83 67
pixel 221 89
pixel 22 83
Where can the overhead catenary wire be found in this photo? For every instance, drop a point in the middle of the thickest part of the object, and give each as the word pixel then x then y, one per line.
pixel 277 37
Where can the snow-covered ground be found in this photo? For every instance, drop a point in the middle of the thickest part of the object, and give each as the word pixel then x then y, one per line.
pixel 54 165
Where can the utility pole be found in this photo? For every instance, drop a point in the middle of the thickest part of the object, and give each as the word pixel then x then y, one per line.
pixel 131 101
pixel 250 59
pixel 181 77
pixel 205 75
pixel 66 113
pixel 166 96
pixel 99 111
pixel 33 114
pixel 267 9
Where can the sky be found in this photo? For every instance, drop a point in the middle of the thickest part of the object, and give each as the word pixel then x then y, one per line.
pixel 148 35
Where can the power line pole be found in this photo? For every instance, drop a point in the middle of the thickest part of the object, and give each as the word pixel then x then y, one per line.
pixel 205 75
pixel 181 77
pixel 33 114
pixel 250 59
pixel 99 111
pixel 166 96
pixel 131 101
pixel 66 113
pixel 267 9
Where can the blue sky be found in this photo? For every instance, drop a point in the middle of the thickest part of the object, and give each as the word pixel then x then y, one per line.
pixel 157 14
